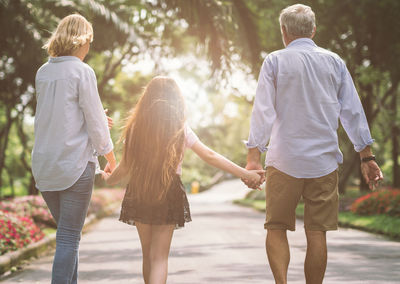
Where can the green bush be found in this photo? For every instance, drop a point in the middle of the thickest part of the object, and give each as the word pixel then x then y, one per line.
pixel 378 202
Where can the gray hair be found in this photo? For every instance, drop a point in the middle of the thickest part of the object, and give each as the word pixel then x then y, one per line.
pixel 298 20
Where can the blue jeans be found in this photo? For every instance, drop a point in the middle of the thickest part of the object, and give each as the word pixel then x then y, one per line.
pixel 69 209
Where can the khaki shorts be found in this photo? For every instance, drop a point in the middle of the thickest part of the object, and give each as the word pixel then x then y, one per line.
pixel 320 195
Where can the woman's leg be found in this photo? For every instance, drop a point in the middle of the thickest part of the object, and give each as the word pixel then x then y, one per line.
pixel 74 203
pixel 52 199
pixel 144 231
pixel 161 236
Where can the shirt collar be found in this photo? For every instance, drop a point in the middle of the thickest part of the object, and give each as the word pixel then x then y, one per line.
pixel 63 58
pixel 302 41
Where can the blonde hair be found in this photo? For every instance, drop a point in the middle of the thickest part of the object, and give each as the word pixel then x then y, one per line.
pixel 298 20
pixel 72 32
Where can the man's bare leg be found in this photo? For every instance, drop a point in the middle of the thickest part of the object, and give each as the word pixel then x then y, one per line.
pixel 278 254
pixel 316 257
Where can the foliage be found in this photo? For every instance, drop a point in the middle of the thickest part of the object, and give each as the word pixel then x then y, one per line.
pixel 227 36
pixel 17 231
pixel 378 202
pixel 25 220
pixel 30 206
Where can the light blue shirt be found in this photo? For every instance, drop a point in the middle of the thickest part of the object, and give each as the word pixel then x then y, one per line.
pixel 302 92
pixel 70 123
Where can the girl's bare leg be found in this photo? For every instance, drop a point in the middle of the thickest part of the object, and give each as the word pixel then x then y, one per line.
pixel 144 231
pixel 161 236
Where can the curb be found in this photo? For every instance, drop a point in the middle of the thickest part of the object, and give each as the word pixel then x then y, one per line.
pixel 392 237
pixel 13 258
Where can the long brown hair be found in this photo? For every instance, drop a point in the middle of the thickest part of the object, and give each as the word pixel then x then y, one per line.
pixel 154 139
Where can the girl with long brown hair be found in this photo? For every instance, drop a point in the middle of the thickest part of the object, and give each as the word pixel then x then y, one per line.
pixel 155 137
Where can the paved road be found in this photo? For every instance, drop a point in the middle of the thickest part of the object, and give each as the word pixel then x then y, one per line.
pixel 223 244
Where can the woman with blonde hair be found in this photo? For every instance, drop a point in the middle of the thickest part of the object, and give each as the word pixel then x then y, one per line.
pixel 155 138
pixel 70 126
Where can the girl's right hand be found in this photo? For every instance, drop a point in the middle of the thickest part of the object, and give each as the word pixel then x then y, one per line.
pixel 255 177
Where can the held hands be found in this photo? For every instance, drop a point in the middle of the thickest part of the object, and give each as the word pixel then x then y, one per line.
pixel 109 168
pixel 105 175
pixel 255 176
pixel 371 173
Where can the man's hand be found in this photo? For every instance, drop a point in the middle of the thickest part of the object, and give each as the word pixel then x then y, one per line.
pixel 371 173
pixel 370 170
pixel 253 163
pixel 109 120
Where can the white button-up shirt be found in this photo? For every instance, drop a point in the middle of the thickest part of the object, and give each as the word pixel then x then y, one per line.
pixel 70 123
pixel 303 91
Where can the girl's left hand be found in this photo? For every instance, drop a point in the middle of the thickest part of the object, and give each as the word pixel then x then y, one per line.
pixel 105 175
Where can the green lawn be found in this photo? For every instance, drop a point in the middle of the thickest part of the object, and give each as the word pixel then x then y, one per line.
pixel 381 224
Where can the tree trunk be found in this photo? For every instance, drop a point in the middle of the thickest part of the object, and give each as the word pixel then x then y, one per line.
pixel 395 144
pixel 32 190
pixel 25 153
pixel 11 182
pixel 363 185
pixel 348 169
pixel 395 157
pixel 4 143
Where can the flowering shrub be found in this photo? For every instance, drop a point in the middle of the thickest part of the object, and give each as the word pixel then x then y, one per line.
pixel 17 231
pixel 30 206
pixel 22 217
pixel 378 202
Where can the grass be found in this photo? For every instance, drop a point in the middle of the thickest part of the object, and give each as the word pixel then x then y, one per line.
pixel 381 224
pixel 49 231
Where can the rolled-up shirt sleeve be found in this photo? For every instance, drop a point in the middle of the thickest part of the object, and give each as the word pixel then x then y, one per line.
pixel 263 114
pixel 95 118
pixel 352 115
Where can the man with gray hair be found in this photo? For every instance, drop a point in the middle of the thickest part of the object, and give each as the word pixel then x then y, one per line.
pixel 303 90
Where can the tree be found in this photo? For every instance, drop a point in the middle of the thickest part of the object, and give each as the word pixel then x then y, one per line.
pixel 119 37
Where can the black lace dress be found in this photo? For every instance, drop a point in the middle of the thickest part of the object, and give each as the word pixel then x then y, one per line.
pixel 174 210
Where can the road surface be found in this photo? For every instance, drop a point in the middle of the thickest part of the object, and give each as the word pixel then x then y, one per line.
pixel 223 244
